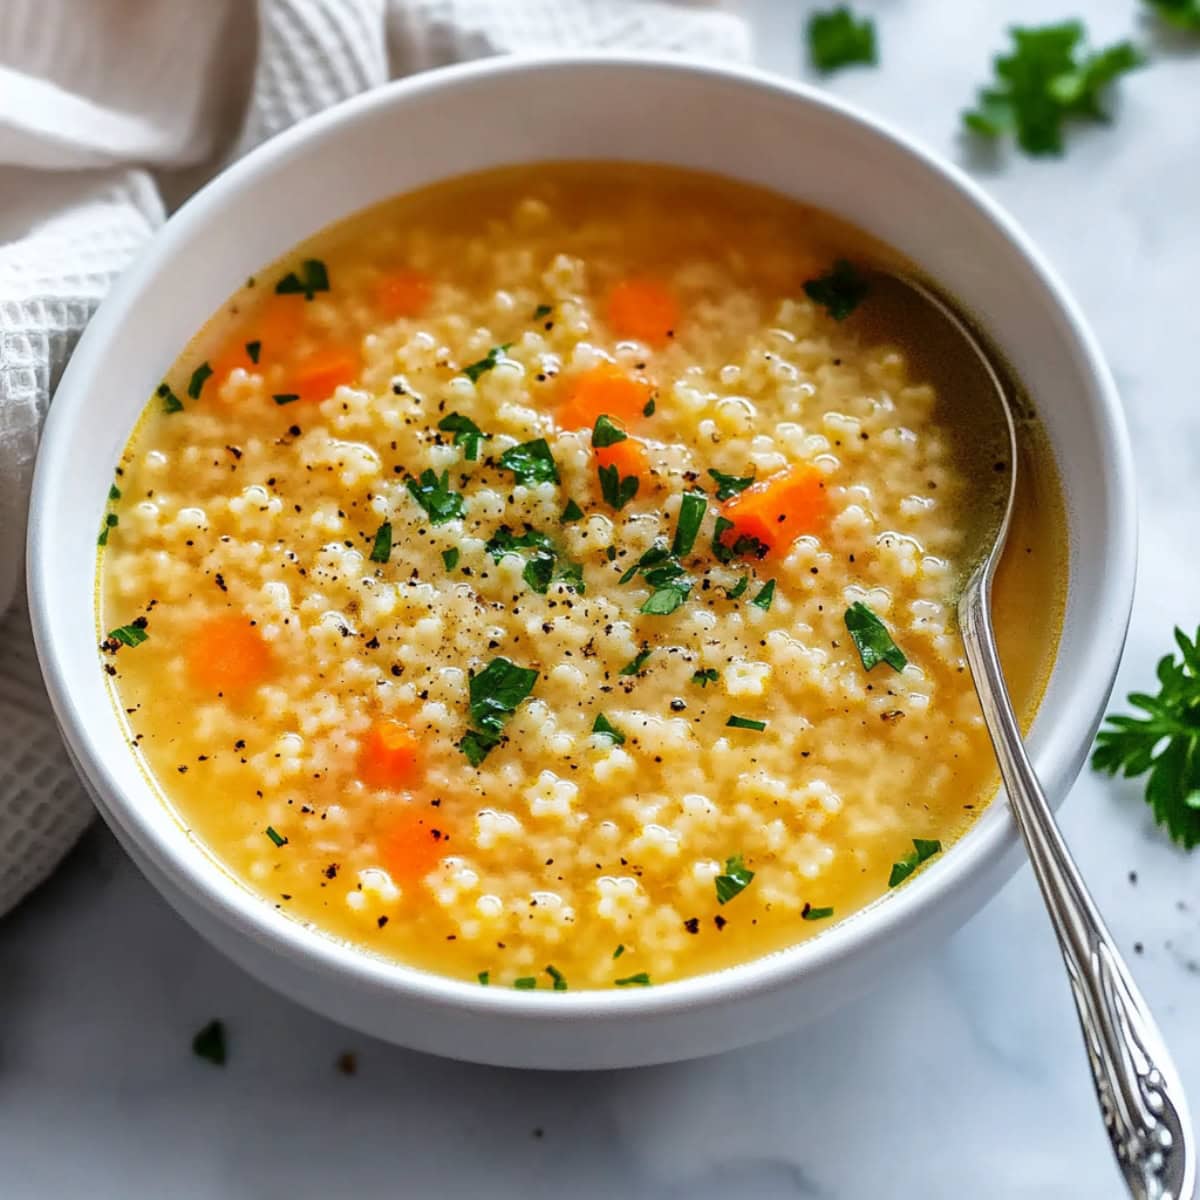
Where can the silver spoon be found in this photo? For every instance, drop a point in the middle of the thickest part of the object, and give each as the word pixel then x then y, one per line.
pixel 1141 1097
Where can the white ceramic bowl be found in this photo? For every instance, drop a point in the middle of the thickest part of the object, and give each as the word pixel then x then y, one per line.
pixel 739 123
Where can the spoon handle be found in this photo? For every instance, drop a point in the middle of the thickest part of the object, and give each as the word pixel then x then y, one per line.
pixel 1141 1097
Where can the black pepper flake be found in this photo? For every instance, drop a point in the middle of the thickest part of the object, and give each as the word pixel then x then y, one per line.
pixel 692 924
pixel 382 922
pixel 219 580
pixel 347 1063
pixel 720 922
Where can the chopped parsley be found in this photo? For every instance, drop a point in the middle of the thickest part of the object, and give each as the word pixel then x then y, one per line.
pixel 765 596
pixel 560 983
pixel 1164 742
pixel 648 408
pixel 467 434
pixel 525 984
pixel 545 565
pixel 1183 14
pixel 433 494
pixel 619 950
pixel 111 521
pixel 641 979
pixel 635 665
pixel 923 849
pixel 209 1043
pixel 381 551
pixel 542 310
pixel 604 726
pixel 450 558
pixel 308 281
pixel 171 402
pixel 665 600
pixel 692 508
pixel 531 462
pixel 504 541
pixel 1048 78
pixel 606 433
pixel 539 570
pixel 706 676
pixel 734 881
pixel 871 636
pixel 617 491
pixel 199 376
pixel 484 977
pixel 571 513
pixel 275 836
pixel 114 492
pixel 495 693
pixel 128 635
pixel 839 291
pixel 253 350
pixel 738 588
pixel 282 398
pixel 662 570
pixel 729 486
pixel 745 546
pixel 745 723
pixel 809 913
pixel 837 39
pixel 474 370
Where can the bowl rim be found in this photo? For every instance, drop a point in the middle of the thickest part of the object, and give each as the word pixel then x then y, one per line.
pixel 200 874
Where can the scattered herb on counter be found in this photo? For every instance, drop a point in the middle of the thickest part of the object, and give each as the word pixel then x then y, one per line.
pixel 467 434
pixel 484 978
pixel 923 850
pixel 209 1043
pixel 450 558
pixel 729 486
pixel 199 376
pixel 525 984
pixel 692 507
pixel 308 281
pixel 734 881
pixel 381 551
pixel 531 462
pixel 606 432
pixel 495 693
pixel 433 494
pixel 617 491
pixel 706 676
pixel 871 636
pixel 253 350
pixel 129 635
pixel 282 398
pixel 765 596
pixel 560 983
pixel 1165 742
pixel 738 588
pixel 619 950
pixel 635 665
pixel 736 722
pixel 838 39
pixel 604 726
pixel 1183 14
pixel 474 370
pixel 809 913
pixel 641 979
pixel 171 402
pixel 839 291
pixel 1048 78
pixel 542 310
pixel 275 836
pixel 571 513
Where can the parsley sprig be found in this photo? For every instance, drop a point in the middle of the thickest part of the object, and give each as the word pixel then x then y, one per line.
pixel 838 39
pixel 872 638
pixel 433 494
pixel 1165 743
pixel 467 434
pixel 1183 14
pixel 495 693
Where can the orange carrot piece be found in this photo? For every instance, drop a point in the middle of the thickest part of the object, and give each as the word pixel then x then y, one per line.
pixel 403 294
pixel 321 374
pixel 643 309
pixel 603 391
pixel 228 655
pixel 629 457
pixel 389 756
pixel 411 846
pixel 779 509
pixel 275 326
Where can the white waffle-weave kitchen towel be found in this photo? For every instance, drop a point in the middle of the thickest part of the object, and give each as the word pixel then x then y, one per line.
pixel 113 110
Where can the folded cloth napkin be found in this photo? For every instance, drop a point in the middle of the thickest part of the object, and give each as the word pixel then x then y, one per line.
pixel 114 110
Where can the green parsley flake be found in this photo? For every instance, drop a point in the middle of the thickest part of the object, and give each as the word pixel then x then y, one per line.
pixel 381 551
pixel 560 983
pixel 450 558
pixel 839 291
pixel 734 881
pixel 531 462
pixel 484 977
pixel 665 600
pixel 738 588
pixel 275 837
pixel 641 979
pixel 648 408
pixel 809 913
pixel 467 434
pixel 199 376
pixel 871 636
pixel 635 665
pixel 542 310
pixel 525 984
pixel 171 402
pixel 114 492
pixel 836 39
pixel 282 398
pixel 604 726
pixel 308 281
pixel 433 494
pixel 476 369
pixel 1047 79
pixel 619 950
pixel 571 513
pixel 617 492
pixel 764 597
pixel 692 507
pixel 128 635
pixel 745 723
pixel 922 850
pixel 209 1043
pixel 729 486
pixel 1183 14
pixel 606 433
pixel 112 520
pixel 706 676
pixel 253 350
pixel 495 693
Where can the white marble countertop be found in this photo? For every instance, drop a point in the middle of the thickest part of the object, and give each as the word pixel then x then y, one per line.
pixel 963 1076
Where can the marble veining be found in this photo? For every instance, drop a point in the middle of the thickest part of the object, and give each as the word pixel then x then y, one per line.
pixel 961 1076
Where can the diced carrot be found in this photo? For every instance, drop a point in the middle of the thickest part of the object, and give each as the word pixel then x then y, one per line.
pixel 643 309
pixel 321 374
pixel 403 294
pixel 603 391
pixel 228 655
pixel 389 756
pixel 412 845
pixel 779 509
pixel 629 457
pixel 273 328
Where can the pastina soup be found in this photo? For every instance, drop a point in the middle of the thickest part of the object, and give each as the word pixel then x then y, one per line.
pixel 548 579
